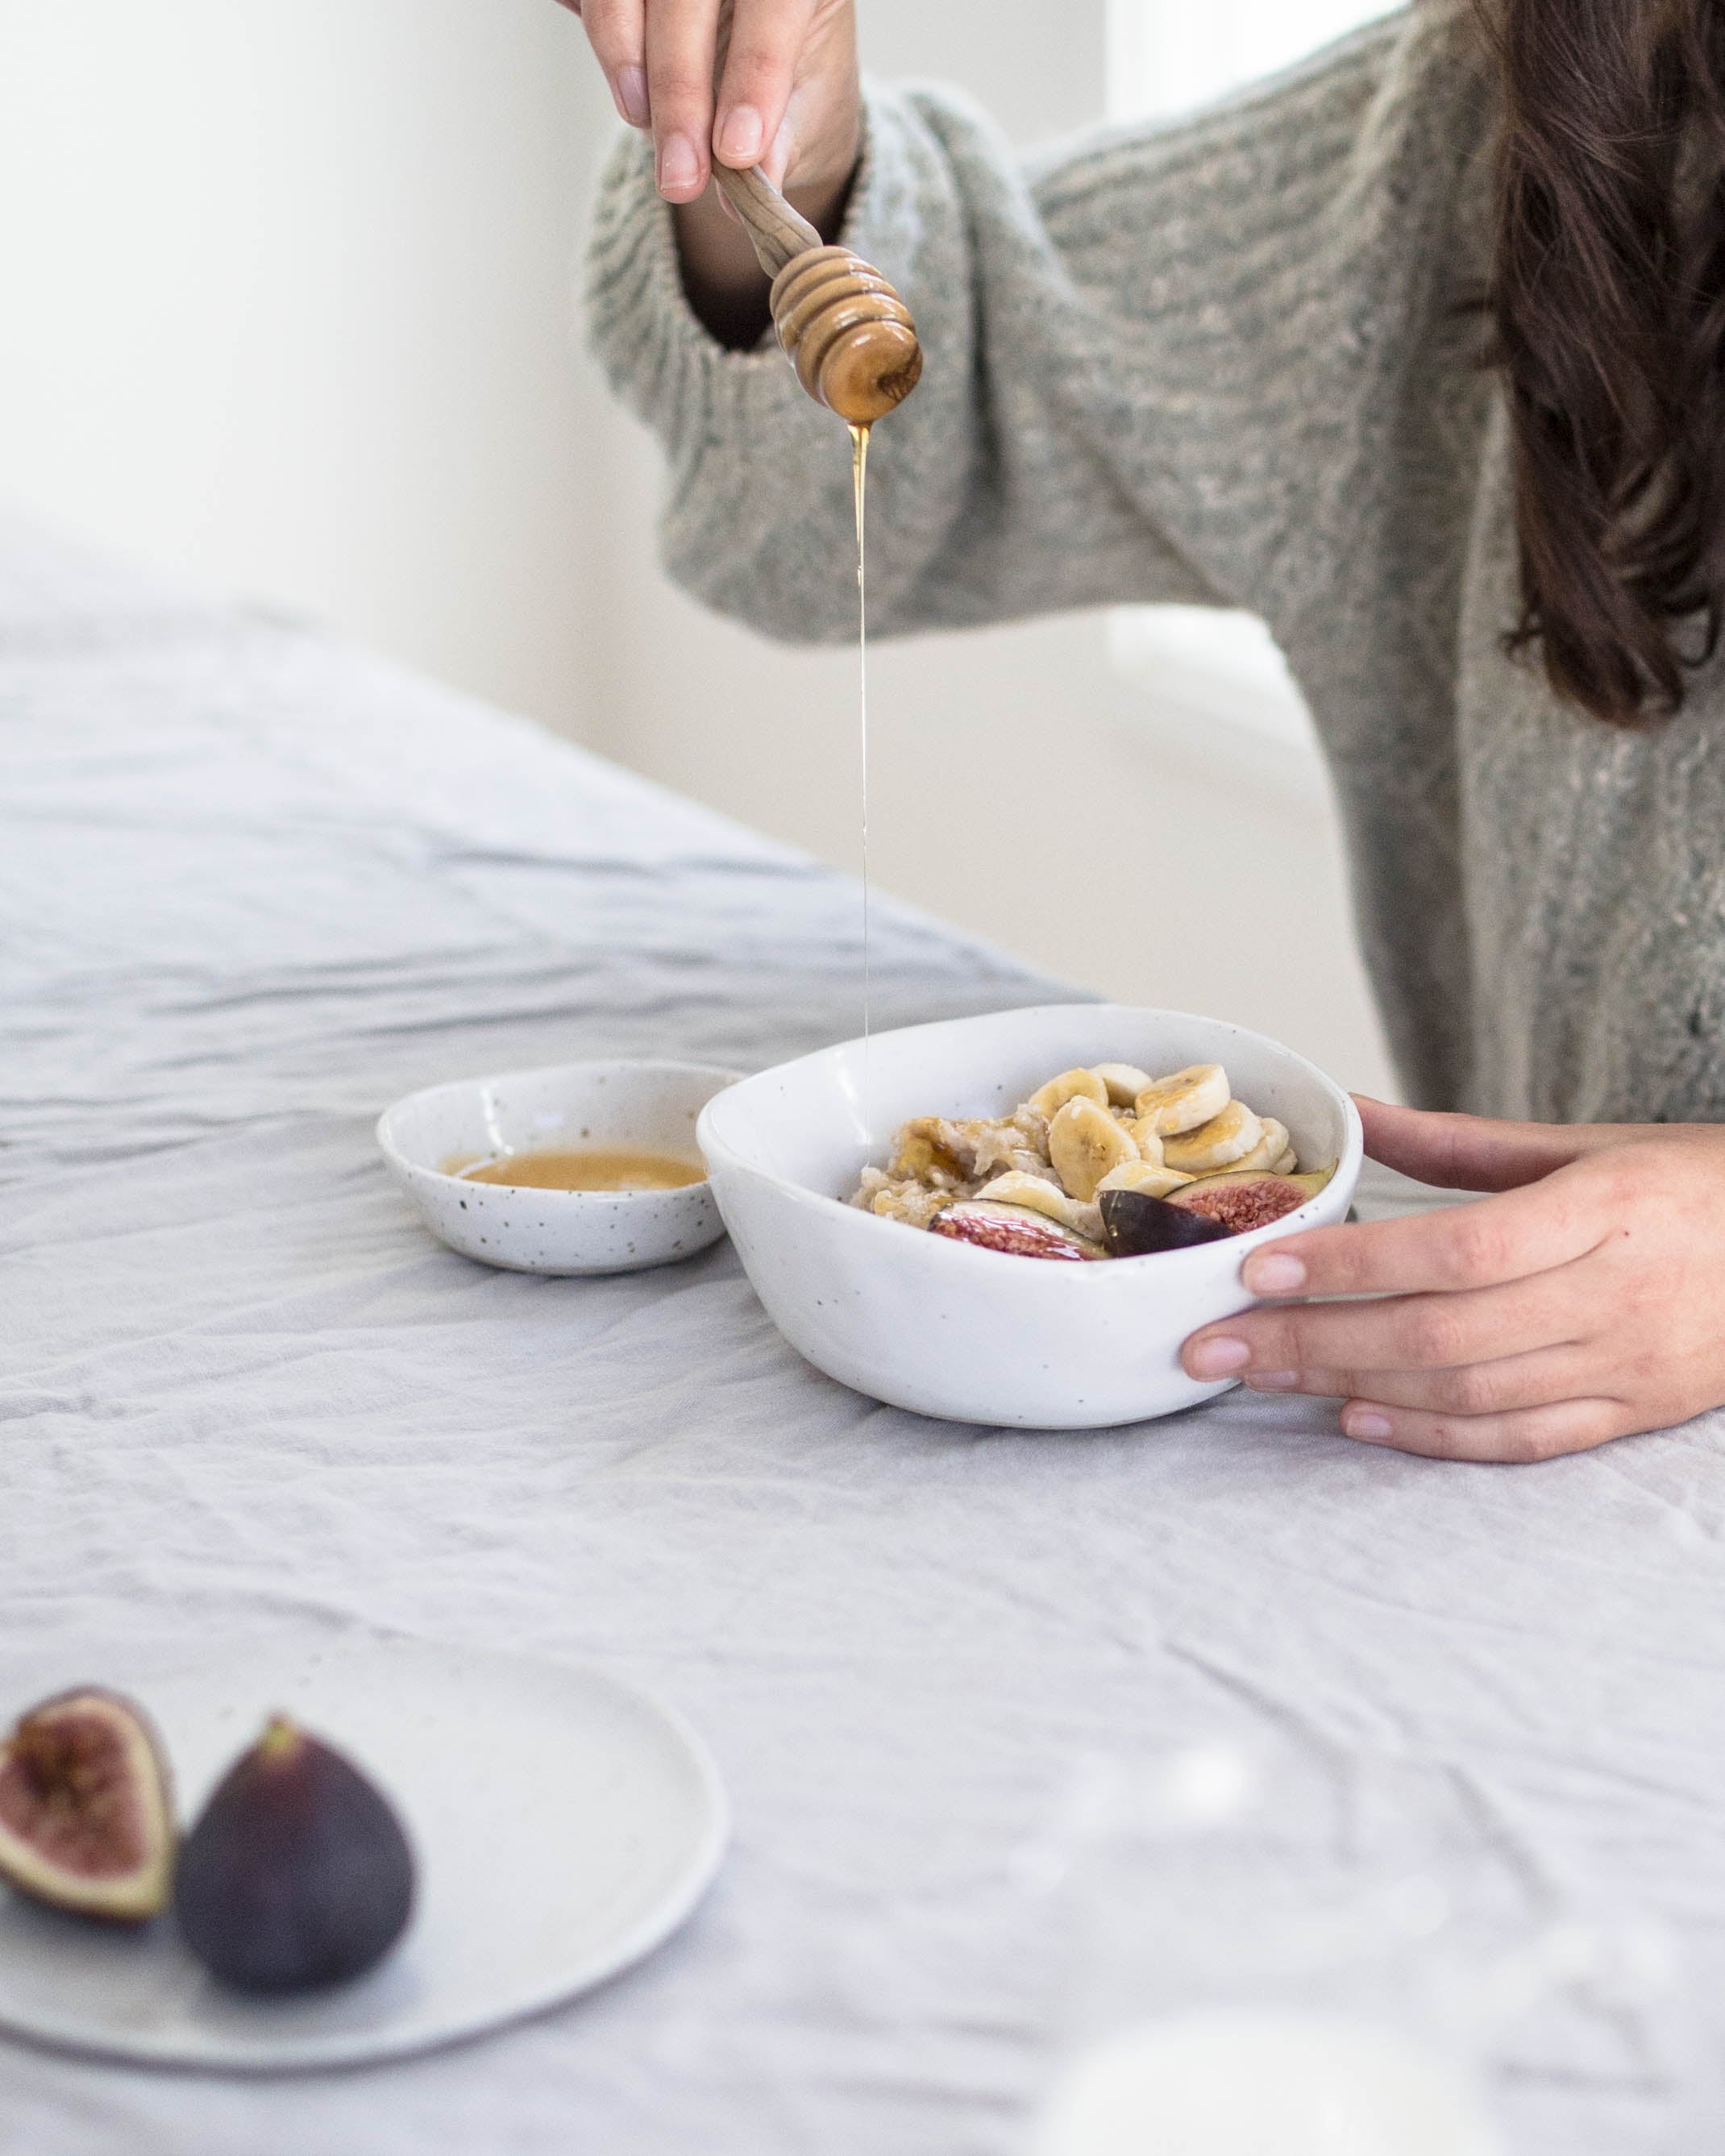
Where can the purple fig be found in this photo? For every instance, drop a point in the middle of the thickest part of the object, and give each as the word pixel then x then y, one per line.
pixel 1138 1225
pixel 992 1224
pixel 86 1808
pixel 1242 1201
pixel 297 1874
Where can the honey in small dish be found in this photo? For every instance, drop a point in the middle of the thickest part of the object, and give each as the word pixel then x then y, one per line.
pixel 584 1168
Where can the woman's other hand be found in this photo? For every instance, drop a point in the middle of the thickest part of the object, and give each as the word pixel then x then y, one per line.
pixel 1584 1301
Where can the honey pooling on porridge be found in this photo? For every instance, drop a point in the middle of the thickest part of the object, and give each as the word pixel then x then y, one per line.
pixel 1099 1162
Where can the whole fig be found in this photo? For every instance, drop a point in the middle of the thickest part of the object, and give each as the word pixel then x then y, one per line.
pixel 86 1812
pixel 298 1873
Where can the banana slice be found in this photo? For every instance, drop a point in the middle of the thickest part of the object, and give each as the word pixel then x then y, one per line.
pixel 1224 1139
pixel 1143 1134
pixel 1269 1149
pixel 1036 1196
pixel 1084 1142
pixel 1179 1103
pixel 1141 1175
pixel 1070 1086
pixel 1125 1081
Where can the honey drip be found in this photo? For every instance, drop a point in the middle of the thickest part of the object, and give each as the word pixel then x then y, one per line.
pixel 859 484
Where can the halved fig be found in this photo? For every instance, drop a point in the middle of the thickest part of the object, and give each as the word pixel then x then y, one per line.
pixel 1013 1229
pixel 1310 1181
pixel 1242 1202
pixel 298 1873
pixel 1138 1225
pixel 86 1808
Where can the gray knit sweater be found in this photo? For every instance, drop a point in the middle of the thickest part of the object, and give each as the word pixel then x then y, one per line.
pixel 1224 361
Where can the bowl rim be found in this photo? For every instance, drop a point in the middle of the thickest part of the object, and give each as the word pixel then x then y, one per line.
pixel 1349 1160
pixel 405 1164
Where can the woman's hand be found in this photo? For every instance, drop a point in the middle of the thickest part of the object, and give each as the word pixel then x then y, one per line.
pixel 1585 1302
pixel 770 83
pixel 746 82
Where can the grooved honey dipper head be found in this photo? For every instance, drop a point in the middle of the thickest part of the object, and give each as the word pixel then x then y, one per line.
pixel 847 331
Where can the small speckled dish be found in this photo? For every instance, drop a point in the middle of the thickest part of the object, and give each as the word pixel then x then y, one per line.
pixel 635 1107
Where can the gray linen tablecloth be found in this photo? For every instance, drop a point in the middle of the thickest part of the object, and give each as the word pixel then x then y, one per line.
pixel 252 887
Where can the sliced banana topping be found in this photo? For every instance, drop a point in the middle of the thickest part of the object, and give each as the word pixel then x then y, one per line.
pixel 1070 1086
pixel 1125 1081
pixel 1222 1141
pixel 1043 1168
pixel 1036 1196
pixel 1140 1175
pixel 1084 1142
pixel 1193 1096
pixel 1143 1135
pixel 1269 1149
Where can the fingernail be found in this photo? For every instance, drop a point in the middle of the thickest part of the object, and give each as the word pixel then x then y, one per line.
pixel 678 165
pixel 1365 1422
pixel 739 137
pixel 778 156
pixel 631 93
pixel 1273 1274
pixel 1218 1358
pixel 1274 1381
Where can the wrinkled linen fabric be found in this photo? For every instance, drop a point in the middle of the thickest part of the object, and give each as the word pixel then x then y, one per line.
pixel 1231 361
pixel 253 886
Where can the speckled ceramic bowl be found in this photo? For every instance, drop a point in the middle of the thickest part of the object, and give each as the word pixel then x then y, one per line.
pixel 638 1106
pixel 946 1328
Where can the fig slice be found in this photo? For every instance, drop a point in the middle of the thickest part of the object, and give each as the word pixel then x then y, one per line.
pixel 1138 1225
pixel 86 1808
pixel 1015 1229
pixel 1239 1202
pixel 298 1873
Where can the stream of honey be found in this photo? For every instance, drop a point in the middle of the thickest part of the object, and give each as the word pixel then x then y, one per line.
pixel 860 483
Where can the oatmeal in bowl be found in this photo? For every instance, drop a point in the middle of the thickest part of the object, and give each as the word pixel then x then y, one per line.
pixel 1100 1162
pixel 835 1173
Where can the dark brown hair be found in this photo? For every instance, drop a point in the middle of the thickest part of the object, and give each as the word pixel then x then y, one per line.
pixel 1608 298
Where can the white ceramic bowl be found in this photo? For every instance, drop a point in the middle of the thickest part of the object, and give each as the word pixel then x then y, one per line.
pixel 651 1107
pixel 947 1329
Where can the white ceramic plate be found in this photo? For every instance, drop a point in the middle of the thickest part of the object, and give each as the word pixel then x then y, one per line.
pixel 565 1825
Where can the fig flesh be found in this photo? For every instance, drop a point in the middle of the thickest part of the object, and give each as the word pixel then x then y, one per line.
pixel 1138 1225
pixel 298 1873
pixel 86 1809
pixel 993 1225
pixel 1241 1203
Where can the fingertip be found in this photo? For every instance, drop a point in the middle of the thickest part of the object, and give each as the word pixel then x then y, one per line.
pixel 1370 1425
pixel 682 170
pixel 777 161
pixel 629 91
pixel 1275 1271
pixel 739 135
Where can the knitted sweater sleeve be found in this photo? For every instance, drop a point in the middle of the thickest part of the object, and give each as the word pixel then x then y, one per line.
pixel 1152 360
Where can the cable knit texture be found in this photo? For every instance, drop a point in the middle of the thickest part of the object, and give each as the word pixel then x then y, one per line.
pixel 1230 361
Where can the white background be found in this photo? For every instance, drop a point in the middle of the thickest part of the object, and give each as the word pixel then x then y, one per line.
pixel 287 303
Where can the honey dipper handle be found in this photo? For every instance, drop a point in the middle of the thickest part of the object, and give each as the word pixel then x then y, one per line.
pixel 778 233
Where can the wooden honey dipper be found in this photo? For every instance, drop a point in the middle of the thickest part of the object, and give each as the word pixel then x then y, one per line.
pixel 841 325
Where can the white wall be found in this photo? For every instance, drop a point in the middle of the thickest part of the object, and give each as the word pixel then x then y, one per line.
pixel 285 294
pixel 287 307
